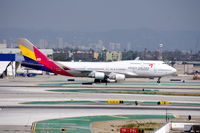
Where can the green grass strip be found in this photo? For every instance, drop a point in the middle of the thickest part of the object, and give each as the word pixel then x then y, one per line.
pixel 82 124
pixel 106 102
pixel 143 83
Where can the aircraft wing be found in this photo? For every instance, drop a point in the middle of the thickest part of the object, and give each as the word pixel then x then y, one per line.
pixel 131 74
pixel 83 71
pixel 88 72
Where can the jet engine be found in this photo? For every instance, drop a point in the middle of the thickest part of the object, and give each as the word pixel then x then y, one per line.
pixel 117 77
pixel 98 75
pixel 120 77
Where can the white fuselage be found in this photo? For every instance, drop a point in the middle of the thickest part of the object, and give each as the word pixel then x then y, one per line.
pixel 131 69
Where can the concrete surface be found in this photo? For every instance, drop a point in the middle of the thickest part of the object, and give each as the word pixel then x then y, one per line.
pixel 15 91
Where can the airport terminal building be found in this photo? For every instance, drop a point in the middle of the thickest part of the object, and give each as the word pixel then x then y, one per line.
pixel 10 58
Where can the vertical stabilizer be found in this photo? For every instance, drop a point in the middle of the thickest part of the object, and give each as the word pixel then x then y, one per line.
pixel 35 59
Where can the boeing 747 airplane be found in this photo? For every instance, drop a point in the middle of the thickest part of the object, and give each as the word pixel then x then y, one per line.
pixel 100 71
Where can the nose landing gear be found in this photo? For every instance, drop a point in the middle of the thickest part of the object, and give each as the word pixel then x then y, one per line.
pixel 158 80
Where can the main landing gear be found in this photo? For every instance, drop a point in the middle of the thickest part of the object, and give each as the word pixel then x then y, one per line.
pixel 158 80
pixel 101 81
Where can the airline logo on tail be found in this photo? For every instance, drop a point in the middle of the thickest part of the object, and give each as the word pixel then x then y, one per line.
pixel 37 60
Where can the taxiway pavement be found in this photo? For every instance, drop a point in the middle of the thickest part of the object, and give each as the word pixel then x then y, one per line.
pixel 13 92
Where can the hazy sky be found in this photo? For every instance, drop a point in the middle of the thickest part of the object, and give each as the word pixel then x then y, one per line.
pixel 100 15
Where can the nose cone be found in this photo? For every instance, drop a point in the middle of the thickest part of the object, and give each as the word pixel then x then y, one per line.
pixel 173 71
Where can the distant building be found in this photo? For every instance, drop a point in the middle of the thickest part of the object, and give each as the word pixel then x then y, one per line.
pixel 43 43
pixel 3 45
pixel 129 46
pixel 102 55
pixel 113 56
pixel 160 57
pixel 47 52
pixel 60 43
pixel 83 56
pixel 70 54
pixel 9 50
pixel 100 45
pixel 95 55
pixel 62 56
pixel 187 67
pixel 114 46
pixel 118 46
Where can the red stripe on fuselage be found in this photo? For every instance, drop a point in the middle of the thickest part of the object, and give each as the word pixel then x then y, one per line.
pixel 41 58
